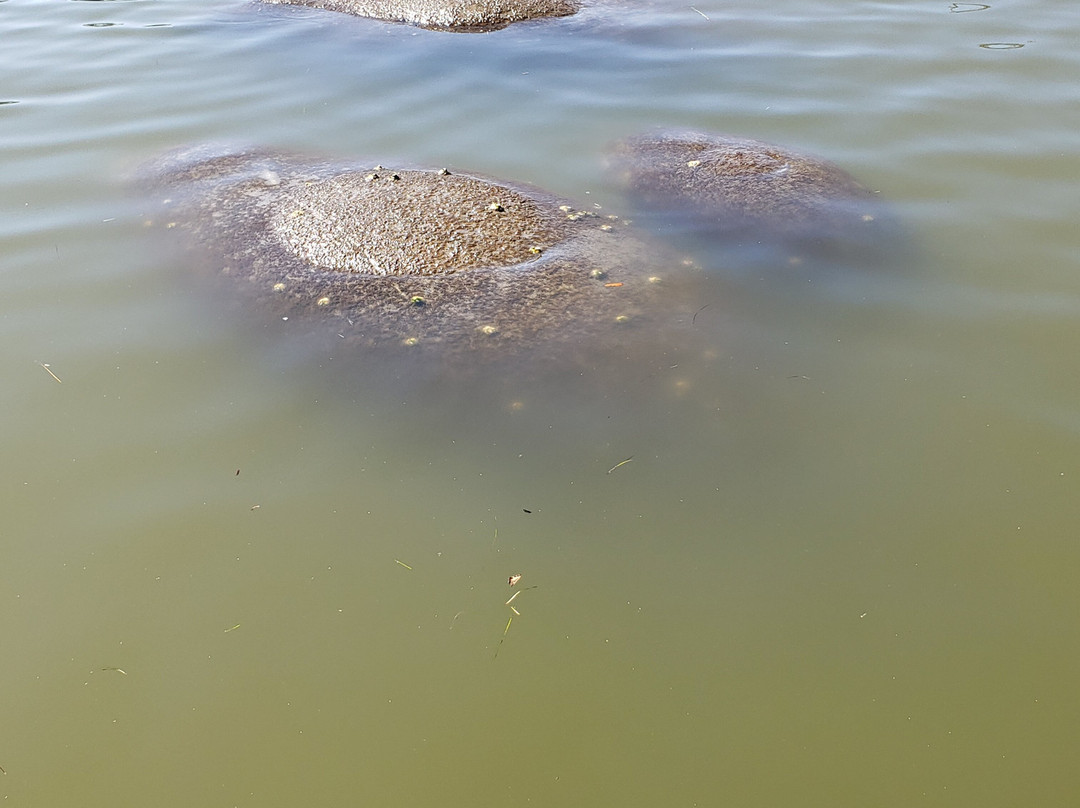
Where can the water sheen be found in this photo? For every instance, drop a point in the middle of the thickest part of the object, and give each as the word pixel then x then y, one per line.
pixel 839 568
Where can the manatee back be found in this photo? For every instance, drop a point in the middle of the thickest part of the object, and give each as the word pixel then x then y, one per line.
pixel 762 200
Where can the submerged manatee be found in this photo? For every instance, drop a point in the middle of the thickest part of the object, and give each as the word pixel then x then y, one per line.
pixel 447 15
pixel 745 192
pixel 411 257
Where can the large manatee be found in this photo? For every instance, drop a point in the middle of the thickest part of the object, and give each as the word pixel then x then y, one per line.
pixel 746 193
pixel 417 258
pixel 447 15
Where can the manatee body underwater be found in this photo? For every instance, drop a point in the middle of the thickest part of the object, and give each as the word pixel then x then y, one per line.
pixel 458 265
pixel 447 15
pixel 414 259
pixel 762 202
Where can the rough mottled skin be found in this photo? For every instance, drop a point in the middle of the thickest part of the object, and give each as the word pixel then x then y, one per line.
pixel 410 257
pixel 738 188
pixel 449 15
pixel 366 222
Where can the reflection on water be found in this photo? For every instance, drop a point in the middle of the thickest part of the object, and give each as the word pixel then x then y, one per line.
pixel 245 568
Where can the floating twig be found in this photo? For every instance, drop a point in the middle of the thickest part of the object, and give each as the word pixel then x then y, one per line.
pixel 620 463
pixel 702 13
pixel 503 637
pixel 512 581
pixel 117 670
pixel 46 366
pixel 402 563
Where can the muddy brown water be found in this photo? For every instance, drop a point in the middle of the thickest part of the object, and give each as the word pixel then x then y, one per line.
pixel 241 568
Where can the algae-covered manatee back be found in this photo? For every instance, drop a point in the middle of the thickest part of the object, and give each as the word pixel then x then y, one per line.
pixel 411 258
pixel 738 191
pixel 447 15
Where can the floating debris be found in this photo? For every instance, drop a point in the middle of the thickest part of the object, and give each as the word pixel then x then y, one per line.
pixel 46 367
pixel 503 637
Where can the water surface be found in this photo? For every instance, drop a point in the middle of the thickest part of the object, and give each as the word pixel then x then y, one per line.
pixel 838 569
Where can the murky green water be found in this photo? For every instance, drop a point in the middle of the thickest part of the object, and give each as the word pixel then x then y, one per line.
pixel 838 570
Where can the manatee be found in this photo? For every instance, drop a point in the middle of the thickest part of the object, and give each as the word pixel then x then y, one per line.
pixel 447 15
pixel 736 191
pixel 418 258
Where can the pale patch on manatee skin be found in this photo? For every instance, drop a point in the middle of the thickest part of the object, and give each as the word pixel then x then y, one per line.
pixel 411 257
pixel 447 15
